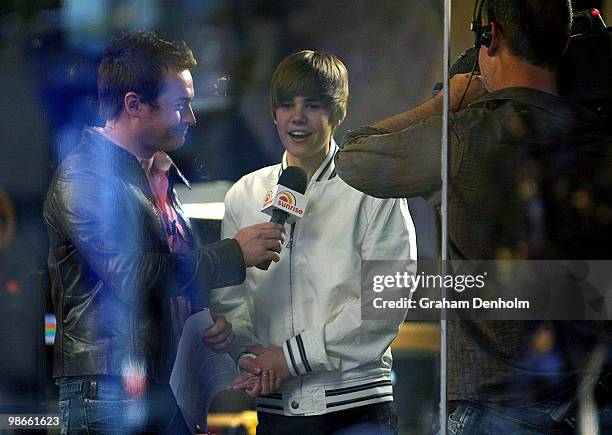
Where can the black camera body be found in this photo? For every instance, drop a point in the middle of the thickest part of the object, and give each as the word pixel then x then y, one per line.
pixel 585 73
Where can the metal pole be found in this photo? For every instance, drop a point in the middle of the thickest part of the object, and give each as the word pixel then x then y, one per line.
pixel 444 211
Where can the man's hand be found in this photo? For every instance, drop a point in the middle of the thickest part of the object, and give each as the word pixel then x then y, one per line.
pixel 457 88
pixel 263 374
pixel 271 358
pixel 268 358
pixel 261 242
pixel 219 336
pixel 248 382
pixel 267 382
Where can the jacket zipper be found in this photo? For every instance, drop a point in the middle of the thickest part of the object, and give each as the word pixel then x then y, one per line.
pixel 290 246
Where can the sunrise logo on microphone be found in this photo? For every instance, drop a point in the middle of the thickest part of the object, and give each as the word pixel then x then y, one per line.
pixel 286 197
pixel 287 201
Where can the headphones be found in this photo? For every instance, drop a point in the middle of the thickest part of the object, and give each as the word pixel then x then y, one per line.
pixel 482 33
pixel 483 38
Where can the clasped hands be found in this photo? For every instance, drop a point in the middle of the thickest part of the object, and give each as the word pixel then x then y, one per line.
pixel 263 373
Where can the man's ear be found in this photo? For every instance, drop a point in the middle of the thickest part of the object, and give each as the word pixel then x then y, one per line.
pixel 132 104
pixel 338 122
pixel 496 36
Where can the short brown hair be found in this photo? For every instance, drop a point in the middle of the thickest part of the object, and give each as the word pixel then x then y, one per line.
pixel 310 73
pixel 138 62
pixel 535 30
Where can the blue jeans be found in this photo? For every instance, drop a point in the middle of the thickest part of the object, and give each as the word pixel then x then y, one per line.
pixel 100 405
pixel 475 419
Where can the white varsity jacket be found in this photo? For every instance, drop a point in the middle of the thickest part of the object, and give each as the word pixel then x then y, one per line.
pixel 309 302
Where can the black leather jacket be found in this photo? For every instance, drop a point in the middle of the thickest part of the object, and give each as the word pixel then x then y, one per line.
pixel 111 271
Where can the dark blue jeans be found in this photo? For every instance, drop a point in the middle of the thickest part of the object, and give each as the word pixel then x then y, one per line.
pixel 100 405
pixel 379 419
pixel 475 419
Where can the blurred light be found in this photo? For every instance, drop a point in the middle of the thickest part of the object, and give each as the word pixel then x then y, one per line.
pixel 581 200
pixel 50 328
pixel 12 286
pixel 134 378
pixel 204 200
pixel 211 210
pixel 7 220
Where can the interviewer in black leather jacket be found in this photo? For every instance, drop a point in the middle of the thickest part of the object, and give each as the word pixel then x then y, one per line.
pixel 125 266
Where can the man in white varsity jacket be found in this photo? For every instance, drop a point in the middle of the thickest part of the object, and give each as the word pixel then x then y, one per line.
pixel 299 323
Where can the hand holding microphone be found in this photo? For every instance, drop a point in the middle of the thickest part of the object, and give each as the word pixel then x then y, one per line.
pixel 261 242
pixel 286 203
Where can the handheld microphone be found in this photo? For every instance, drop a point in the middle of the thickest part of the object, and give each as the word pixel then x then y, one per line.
pixel 286 202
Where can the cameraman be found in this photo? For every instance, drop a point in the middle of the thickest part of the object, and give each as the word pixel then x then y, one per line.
pixel 529 170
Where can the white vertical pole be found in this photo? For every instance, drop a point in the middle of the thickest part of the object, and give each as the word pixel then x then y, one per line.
pixel 444 211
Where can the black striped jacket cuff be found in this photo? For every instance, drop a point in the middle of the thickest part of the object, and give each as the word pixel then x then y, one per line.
pixel 295 356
